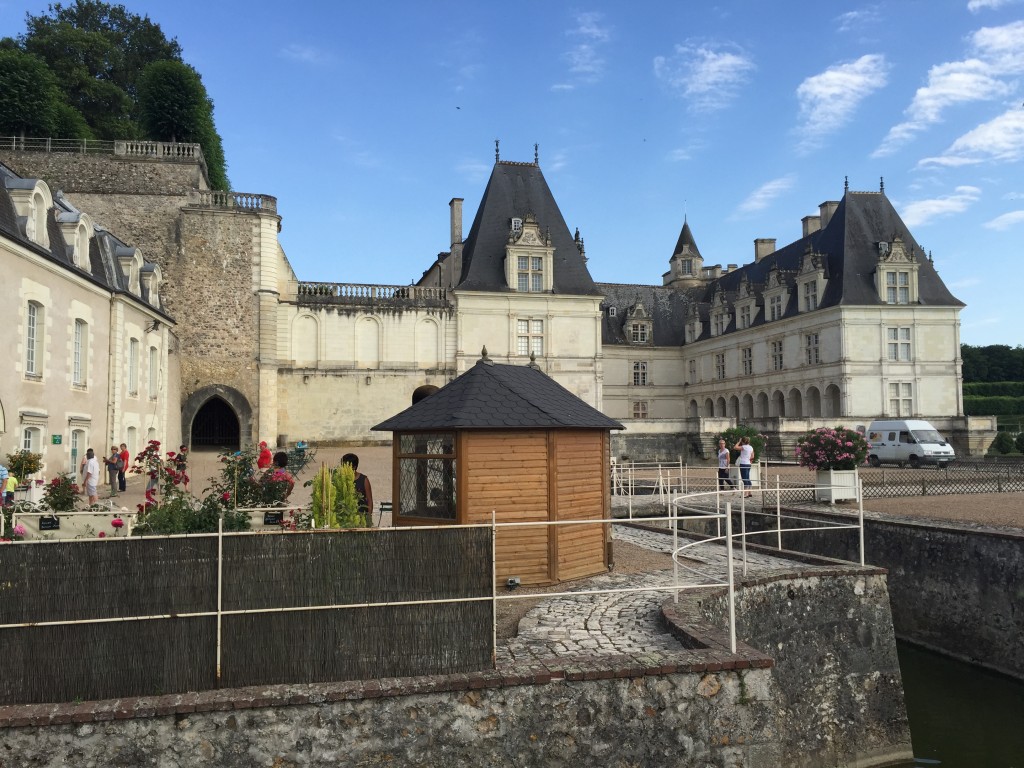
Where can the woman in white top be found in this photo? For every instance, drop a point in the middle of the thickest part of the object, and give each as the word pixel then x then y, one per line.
pixel 723 467
pixel 744 461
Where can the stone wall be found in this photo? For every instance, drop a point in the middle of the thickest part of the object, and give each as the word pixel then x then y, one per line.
pixel 833 699
pixel 957 590
pixel 75 173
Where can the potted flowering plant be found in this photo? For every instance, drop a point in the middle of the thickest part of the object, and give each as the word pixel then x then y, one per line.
pixel 834 453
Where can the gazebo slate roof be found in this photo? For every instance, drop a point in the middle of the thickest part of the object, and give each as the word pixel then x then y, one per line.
pixel 495 396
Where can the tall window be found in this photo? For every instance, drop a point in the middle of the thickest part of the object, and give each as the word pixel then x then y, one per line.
pixel 639 374
pixel 638 333
pixel 692 366
pixel 133 367
pixel 31 439
pixel 776 349
pixel 897 287
pixel 810 296
pixel 639 409
pixel 426 475
pixel 530 337
pixel 811 349
pixel 901 399
pixel 720 365
pixel 531 274
pixel 154 363
pixel 747 353
pixel 775 307
pixel 132 440
pixel 34 339
pixel 898 343
pixel 745 316
pixel 81 346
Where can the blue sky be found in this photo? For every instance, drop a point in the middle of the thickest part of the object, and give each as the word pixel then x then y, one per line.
pixel 365 119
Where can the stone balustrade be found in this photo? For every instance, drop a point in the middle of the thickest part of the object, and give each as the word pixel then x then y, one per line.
pixel 358 293
pixel 164 150
pixel 240 201
pixel 158 150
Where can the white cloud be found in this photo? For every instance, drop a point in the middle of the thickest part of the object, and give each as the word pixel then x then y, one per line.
pixel 854 20
pixel 998 54
pixel 923 211
pixel 1007 220
pixel 708 75
pixel 585 59
pixel 828 100
pixel 1000 139
pixel 307 54
pixel 966 282
pixel 979 5
pixel 761 197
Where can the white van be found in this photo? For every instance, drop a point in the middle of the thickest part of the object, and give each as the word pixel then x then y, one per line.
pixel 905 441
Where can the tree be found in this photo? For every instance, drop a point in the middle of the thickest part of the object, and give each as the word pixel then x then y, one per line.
pixel 29 100
pixel 174 106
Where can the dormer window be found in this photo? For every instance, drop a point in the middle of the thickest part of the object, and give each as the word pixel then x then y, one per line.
pixel 775 307
pixel 686 266
pixel 896 275
pixel 611 311
pixel 639 332
pixel 897 287
pixel 810 296
pixel 529 257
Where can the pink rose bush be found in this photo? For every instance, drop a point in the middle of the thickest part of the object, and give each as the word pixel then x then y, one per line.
pixel 831 448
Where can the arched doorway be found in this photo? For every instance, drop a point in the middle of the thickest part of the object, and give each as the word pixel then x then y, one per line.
pixel 421 393
pixel 216 426
pixel 235 431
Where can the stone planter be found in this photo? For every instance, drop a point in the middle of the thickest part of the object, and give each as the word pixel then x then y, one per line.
pixel 836 485
pixel 755 475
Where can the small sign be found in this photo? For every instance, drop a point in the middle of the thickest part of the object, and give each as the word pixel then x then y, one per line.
pixel 273 518
pixel 56 439
pixel 49 523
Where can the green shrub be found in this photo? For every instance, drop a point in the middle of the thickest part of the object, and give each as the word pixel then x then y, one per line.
pixel 733 435
pixel 1002 444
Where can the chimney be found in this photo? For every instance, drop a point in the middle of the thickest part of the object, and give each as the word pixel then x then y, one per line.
pixel 456 219
pixel 763 246
pixel 731 268
pixel 826 210
pixel 811 224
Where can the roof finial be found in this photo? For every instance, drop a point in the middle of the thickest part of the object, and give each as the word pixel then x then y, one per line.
pixel 846 184
pixel 930 260
pixel 533 361
pixel 536 154
pixel 484 358
pixel 497 155
pixel 881 184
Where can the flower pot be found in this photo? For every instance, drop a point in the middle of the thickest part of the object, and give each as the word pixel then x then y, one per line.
pixel 836 485
pixel 755 475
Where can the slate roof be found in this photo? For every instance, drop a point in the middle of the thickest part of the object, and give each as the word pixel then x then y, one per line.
pixel 104 247
pixel 686 238
pixel 514 190
pixel 494 396
pixel 849 248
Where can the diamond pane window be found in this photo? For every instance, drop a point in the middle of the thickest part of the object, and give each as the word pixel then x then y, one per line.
pixel 426 476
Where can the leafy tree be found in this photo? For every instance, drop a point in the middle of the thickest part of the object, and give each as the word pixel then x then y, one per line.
pixel 1003 443
pixel 29 99
pixel 174 106
pixel 996 362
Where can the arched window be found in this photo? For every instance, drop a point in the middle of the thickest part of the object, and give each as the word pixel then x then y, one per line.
pixel 132 441
pixel 31 440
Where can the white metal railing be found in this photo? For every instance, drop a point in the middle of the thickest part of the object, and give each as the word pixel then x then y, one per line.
pixel 702 506
pixel 634 480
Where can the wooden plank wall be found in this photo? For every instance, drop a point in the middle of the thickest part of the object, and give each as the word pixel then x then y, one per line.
pixel 508 472
pixel 579 482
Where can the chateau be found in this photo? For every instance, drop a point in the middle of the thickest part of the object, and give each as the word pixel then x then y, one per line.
pixel 848 323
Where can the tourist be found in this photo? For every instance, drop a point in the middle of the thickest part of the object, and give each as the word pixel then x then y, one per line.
pixel 744 461
pixel 281 473
pixel 265 458
pixel 9 486
pixel 126 458
pixel 114 467
pixel 723 466
pixel 362 487
pixel 181 465
pixel 91 477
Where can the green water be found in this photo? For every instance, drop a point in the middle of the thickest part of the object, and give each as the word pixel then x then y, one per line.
pixel 961 716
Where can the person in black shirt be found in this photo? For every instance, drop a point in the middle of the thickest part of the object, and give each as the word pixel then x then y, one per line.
pixel 362 487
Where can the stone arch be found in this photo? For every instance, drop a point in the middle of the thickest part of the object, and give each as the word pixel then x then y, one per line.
pixel 427 343
pixel 762 409
pixel 734 407
pixel 423 392
pixel 709 407
pixel 720 407
pixel 368 336
pixel 812 403
pixel 833 401
pixel 795 404
pixel 215 423
pixel 694 411
pixel 305 341
pixel 778 407
pixel 747 407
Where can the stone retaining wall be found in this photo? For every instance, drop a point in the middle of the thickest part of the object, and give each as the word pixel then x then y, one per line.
pixel 824 704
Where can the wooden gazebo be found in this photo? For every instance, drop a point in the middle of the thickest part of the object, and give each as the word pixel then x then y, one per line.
pixel 509 439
